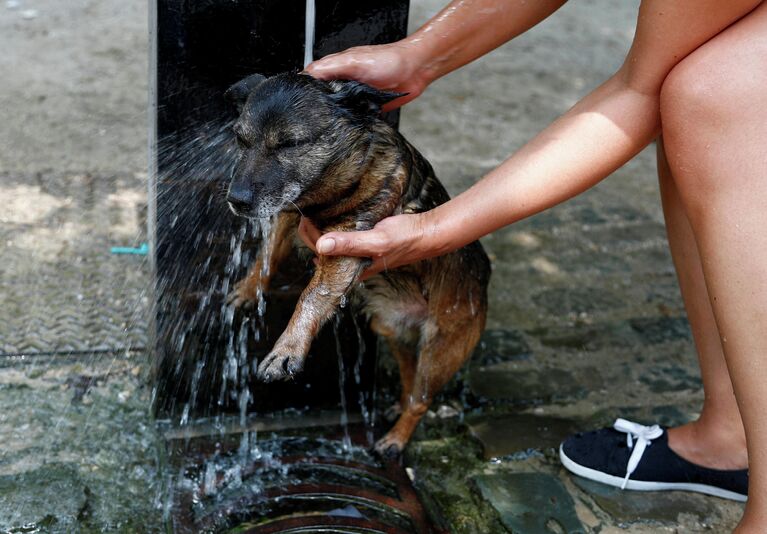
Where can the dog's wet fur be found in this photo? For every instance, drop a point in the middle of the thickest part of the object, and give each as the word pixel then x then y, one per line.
pixel 321 149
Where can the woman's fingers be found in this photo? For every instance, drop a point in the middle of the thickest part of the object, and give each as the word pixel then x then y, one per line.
pixel 388 67
pixel 366 244
pixel 378 265
pixel 308 233
pixel 399 102
pixel 395 241
pixel 332 67
pixel 358 63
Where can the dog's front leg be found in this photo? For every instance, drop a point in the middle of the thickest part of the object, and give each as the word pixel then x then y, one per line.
pixel 333 278
pixel 274 250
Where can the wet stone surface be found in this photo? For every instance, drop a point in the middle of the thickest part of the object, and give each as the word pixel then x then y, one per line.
pixel 499 346
pixel 59 498
pixel 530 502
pixel 79 452
pixel 646 507
pixel 503 382
pixel 503 435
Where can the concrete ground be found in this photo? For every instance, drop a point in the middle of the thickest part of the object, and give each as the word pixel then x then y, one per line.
pixel 586 322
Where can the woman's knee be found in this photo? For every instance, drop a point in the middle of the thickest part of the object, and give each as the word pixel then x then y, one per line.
pixel 721 84
pixel 711 102
pixel 692 99
pixel 690 104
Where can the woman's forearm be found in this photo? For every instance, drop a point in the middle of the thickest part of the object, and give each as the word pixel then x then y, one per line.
pixel 467 29
pixel 598 135
pixel 586 144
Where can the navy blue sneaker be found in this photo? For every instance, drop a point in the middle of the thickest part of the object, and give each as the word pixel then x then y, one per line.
pixel 637 457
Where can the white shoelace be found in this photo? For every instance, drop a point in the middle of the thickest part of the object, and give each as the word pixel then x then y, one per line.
pixel 643 436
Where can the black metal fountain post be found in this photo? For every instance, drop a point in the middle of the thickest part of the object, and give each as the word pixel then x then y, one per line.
pixel 199 249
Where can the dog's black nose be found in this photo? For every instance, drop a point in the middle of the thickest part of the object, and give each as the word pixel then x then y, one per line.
pixel 239 207
pixel 241 199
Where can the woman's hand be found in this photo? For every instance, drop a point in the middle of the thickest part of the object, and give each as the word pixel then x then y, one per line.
pixel 463 31
pixel 390 67
pixel 393 242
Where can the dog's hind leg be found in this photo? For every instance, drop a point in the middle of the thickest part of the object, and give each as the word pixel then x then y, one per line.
pixel 405 355
pixel 272 253
pixel 444 349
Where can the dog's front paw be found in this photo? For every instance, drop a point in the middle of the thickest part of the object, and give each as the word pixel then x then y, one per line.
pixel 244 295
pixel 393 412
pixel 389 447
pixel 280 364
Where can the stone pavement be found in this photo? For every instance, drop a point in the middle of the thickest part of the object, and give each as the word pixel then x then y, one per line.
pixel 586 323
pixel 63 290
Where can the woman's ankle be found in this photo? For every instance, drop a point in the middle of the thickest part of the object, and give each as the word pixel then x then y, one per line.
pixel 751 522
pixel 717 446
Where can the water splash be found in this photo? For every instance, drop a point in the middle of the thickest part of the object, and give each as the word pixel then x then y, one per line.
pixel 266 229
pixel 347 442
pixel 309 32
pixel 196 327
pixel 366 399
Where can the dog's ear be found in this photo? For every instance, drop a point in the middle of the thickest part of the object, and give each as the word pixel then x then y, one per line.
pixel 360 97
pixel 238 93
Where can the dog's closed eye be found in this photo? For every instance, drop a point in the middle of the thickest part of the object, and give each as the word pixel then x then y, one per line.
pixel 242 140
pixel 289 142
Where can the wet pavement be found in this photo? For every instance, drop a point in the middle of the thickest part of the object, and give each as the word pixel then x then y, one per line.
pixel 586 323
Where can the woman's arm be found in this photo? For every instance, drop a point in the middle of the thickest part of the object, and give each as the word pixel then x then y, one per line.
pixel 591 140
pixel 457 35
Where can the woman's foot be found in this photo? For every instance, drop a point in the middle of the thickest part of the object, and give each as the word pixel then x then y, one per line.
pixel 637 457
pixel 709 445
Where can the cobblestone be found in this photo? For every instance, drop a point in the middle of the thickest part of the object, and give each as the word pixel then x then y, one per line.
pixel 530 502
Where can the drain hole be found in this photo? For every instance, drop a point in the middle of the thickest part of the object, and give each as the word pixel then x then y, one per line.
pixel 341 475
pixel 318 508
pixel 283 485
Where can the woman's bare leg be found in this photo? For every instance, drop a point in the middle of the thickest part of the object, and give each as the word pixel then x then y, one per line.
pixel 716 439
pixel 714 114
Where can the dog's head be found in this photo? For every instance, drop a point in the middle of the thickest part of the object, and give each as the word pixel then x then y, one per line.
pixel 293 132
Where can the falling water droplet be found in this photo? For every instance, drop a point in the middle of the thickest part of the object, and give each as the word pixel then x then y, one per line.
pixel 346 442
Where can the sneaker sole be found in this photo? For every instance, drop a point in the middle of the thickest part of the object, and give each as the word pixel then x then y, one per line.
pixel 641 485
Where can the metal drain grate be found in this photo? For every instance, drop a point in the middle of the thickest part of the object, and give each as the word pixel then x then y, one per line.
pixel 290 484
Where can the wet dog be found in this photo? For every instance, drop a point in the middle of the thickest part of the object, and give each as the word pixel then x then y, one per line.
pixel 321 149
